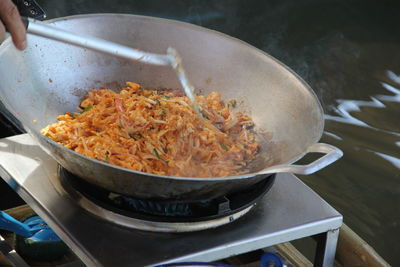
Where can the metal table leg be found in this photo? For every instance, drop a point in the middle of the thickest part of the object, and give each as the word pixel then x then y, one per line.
pixel 326 248
pixel 11 255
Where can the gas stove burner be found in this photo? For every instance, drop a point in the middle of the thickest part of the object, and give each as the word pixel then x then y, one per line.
pixel 161 215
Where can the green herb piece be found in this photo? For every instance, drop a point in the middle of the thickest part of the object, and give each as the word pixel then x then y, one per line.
pixel 136 136
pixel 106 155
pixel 158 156
pixel 165 96
pixel 156 153
pixel 224 147
pixel 158 101
pixel 141 88
pixel 204 114
pixel 86 108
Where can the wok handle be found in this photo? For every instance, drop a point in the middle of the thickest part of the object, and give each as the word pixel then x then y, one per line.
pixel 331 155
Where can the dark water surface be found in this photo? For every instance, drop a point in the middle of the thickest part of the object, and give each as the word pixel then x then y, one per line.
pixel 349 52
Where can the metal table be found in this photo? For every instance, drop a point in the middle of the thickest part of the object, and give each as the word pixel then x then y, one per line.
pixel 290 211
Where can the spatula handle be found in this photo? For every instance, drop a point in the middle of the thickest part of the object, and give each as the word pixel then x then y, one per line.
pixel 97 44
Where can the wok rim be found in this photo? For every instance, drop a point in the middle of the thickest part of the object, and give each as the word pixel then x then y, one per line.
pixel 6 43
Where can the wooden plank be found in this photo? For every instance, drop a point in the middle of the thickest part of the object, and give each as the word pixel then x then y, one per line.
pixel 353 251
pixel 19 212
pixel 288 251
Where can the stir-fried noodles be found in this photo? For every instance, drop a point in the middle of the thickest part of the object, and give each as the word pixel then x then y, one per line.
pixel 157 131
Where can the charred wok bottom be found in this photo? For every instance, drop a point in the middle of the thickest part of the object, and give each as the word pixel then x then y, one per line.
pixel 157 210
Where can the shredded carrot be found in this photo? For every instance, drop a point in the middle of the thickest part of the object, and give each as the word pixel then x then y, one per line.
pixel 157 131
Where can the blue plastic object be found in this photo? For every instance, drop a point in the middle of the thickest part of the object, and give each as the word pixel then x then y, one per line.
pixel 34 228
pixel 9 223
pixel 43 231
pixel 269 258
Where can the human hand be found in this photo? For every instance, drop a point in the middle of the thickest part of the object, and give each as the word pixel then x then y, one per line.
pixel 10 18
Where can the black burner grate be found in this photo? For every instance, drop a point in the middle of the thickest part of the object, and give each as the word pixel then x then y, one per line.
pixel 168 210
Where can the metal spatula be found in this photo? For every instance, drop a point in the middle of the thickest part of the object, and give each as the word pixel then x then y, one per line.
pixel 171 58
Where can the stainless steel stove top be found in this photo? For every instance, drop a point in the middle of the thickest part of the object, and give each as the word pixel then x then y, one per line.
pixel 141 224
pixel 290 211
pixel 160 215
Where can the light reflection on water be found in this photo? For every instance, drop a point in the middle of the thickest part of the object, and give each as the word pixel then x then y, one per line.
pixel 365 185
pixel 332 135
pixel 345 107
pixel 395 161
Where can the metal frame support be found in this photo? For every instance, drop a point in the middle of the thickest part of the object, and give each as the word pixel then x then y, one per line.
pixel 11 254
pixel 326 248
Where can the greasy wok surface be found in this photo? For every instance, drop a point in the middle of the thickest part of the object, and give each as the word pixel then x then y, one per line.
pixel 50 78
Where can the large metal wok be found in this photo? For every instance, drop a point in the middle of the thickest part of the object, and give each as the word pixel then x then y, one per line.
pixel 50 78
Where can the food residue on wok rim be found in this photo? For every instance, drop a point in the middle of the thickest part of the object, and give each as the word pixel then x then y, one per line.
pixel 157 131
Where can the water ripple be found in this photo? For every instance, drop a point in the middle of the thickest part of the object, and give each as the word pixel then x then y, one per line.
pixel 346 107
pixel 363 185
pixel 393 160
